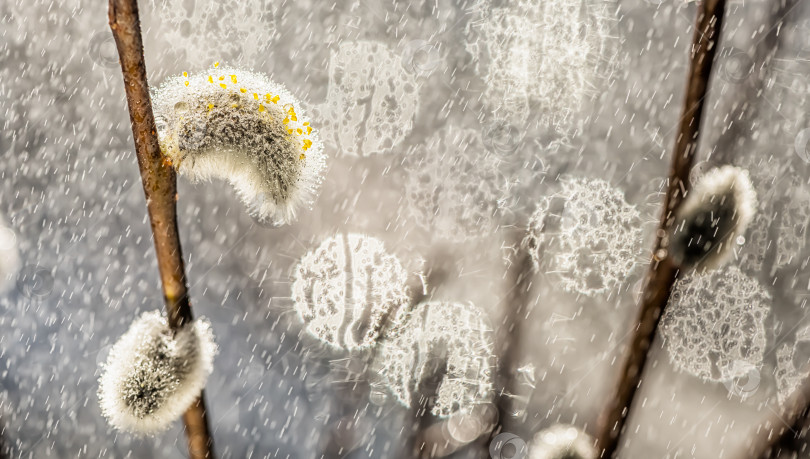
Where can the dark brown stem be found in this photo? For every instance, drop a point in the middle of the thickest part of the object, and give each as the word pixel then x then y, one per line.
pixel 663 271
pixel 780 430
pixel 160 188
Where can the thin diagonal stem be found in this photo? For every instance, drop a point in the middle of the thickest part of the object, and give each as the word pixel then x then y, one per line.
pixel 160 188
pixel 663 271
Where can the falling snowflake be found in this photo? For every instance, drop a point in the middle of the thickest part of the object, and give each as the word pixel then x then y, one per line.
pixel 153 374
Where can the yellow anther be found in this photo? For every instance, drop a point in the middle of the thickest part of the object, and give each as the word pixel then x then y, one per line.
pixel 275 99
pixel 216 64
pixel 210 106
pixel 185 74
pixel 255 96
pixel 242 90
pixel 221 78
pixel 306 123
pixel 223 85
pixel 307 144
pixel 286 120
pixel 302 157
pixel 309 130
pixel 299 131
pixel 233 78
pixel 210 79
pixel 186 83
pixel 289 131
pixel 261 108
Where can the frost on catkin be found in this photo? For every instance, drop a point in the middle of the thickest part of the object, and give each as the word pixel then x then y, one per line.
pixel 454 188
pixel 452 341
pixel 152 376
pixel 346 290
pixel 714 324
pixel 239 126
pixel 712 216
pixel 9 257
pixel 586 236
pixel 547 54
pixel 371 101
pixel 562 441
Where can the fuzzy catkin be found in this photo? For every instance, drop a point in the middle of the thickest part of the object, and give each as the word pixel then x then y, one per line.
pixel 239 126
pixel 712 216
pixel 562 441
pixel 153 374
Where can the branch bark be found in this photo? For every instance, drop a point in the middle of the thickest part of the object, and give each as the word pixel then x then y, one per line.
pixel 663 271
pixel 160 188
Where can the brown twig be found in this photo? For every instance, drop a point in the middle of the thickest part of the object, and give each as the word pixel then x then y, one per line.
pixel 160 187
pixel 792 419
pixel 663 271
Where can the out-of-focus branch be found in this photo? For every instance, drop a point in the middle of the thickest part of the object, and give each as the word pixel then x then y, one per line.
pixel 160 187
pixel 791 421
pixel 663 271
pixel 510 333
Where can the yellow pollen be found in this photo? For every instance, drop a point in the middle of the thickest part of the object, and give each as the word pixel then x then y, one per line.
pixel 221 78
pixel 275 99
pixel 255 96
pixel 299 131
pixel 302 157
pixel 210 106
pixel 286 120
pixel 186 83
pixel 307 144
pixel 185 74
pixel 242 90
pixel 223 85
pixel 261 108
pixel 216 64
pixel 309 130
pixel 289 131
pixel 233 78
pixel 210 79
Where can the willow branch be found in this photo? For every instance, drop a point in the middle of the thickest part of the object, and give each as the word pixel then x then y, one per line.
pixel 663 271
pixel 791 420
pixel 160 188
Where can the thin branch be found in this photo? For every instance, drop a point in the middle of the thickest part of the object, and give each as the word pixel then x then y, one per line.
pixel 510 334
pixel 791 420
pixel 160 188
pixel 663 270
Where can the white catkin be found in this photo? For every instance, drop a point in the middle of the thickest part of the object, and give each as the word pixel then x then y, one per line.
pixel 451 339
pixel 712 216
pixel 239 126
pixel 9 257
pixel 562 441
pixel 152 375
